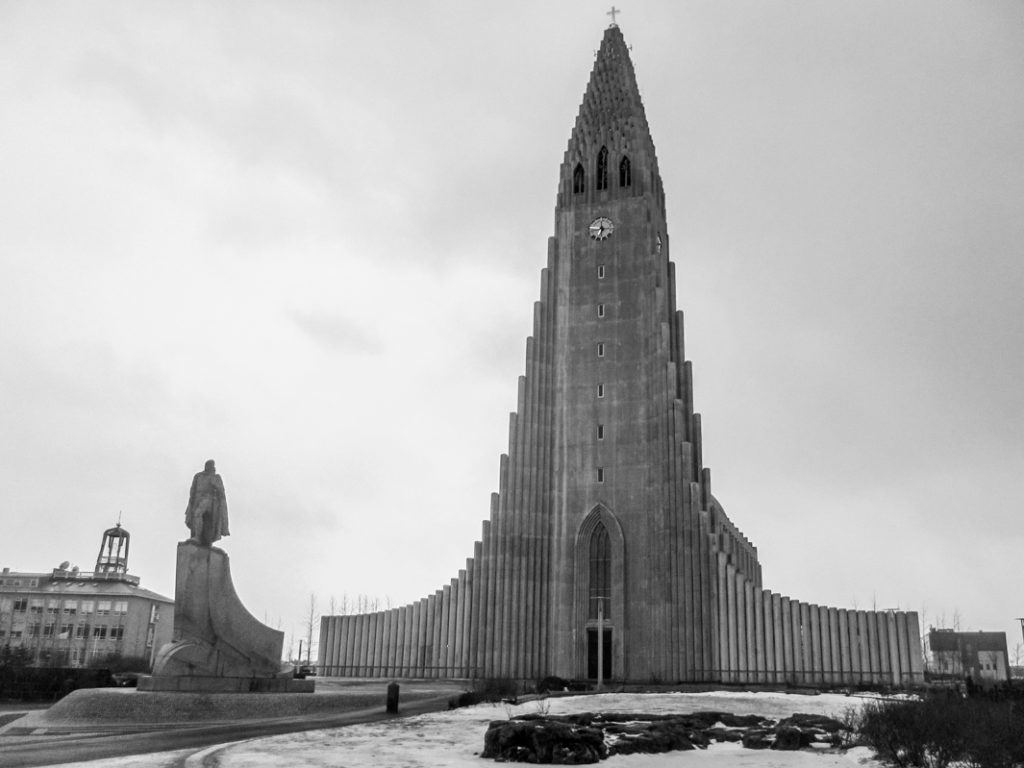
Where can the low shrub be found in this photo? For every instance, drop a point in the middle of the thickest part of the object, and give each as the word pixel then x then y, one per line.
pixel 944 728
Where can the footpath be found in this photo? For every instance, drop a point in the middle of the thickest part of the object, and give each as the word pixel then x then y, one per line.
pixel 112 723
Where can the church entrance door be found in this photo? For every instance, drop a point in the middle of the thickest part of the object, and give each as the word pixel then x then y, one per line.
pixel 606 652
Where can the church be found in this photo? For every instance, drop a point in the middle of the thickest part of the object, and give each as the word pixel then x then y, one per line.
pixel 605 555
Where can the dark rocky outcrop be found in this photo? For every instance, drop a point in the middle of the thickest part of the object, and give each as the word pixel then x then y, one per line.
pixel 589 737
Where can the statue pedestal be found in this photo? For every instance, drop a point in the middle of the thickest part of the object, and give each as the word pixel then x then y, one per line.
pixel 218 645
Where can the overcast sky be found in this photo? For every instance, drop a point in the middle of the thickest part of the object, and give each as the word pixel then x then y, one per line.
pixel 305 238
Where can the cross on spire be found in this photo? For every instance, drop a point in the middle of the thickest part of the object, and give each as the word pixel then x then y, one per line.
pixel 612 13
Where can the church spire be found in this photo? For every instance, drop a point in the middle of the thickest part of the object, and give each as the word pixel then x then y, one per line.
pixel 612 119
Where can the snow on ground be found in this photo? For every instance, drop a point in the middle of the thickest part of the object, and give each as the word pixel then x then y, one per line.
pixel 454 739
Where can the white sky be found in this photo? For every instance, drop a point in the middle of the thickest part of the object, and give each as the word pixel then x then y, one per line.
pixel 304 239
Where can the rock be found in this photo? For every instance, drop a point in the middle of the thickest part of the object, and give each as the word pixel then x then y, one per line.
pixel 740 721
pixel 820 722
pixel 545 740
pixel 789 737
pixel 724 734
pixel 756 738
pixel 651 738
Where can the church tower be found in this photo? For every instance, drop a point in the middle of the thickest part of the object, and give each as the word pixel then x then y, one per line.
pixel 605 555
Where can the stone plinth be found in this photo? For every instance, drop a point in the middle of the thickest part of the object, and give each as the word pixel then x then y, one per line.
pixel 218 645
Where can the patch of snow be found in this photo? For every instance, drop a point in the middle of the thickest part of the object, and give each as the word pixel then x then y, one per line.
pixel 455 739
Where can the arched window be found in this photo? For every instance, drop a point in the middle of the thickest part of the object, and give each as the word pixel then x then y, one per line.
pixel 600 572
pixel 578 184
pixel 602 168
pixel 625 177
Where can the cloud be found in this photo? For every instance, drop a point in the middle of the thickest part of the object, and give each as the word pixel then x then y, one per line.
pixel 336 333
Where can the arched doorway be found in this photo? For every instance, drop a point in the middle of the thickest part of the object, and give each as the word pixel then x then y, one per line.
pixel 599 616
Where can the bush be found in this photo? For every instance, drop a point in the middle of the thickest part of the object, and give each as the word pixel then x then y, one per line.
pixel 492 689
pixel 944 728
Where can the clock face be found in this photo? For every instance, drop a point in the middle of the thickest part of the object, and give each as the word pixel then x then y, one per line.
pixel 601 228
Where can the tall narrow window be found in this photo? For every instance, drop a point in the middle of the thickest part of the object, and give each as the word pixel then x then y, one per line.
pixel 602 168
pixel 600 310
pixel 600 349
pixel 600 573
pixel 600 474
pixel 600 431
pixel 578 182
pixel 600 271
pixel 600 390
pixel 625 175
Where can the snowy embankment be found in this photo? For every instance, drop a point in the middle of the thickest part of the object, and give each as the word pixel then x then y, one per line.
pixel 454 739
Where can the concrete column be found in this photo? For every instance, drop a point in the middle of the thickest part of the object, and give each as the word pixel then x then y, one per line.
pixel 451 611
pixel 345 655
pixel 844 646
pixel 825 644
pixel 834 637
pixel 733 623
pixel 788 641
pixel 869 636
pixel 778 650
pixel 750 642
pixel 488 598
pixel 412 655
pixel 906 643
pixel 816 650
pixel 884 658
pixel 807 632
pixel 723 617
pixel 357 645
pixel 372 660
pixel 892 629
pixel 760 650
pixel 916 654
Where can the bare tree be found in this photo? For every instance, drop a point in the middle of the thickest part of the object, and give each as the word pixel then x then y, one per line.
pixel 311 620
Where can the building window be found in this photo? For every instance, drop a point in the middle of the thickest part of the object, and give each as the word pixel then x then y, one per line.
pixel 625 176
pixel 117 633
pixel 48 630
pixel 82 630
pixel 33 630
pixel 154 613
pixel 600 310
pixel 15 634
pixel 53 606
pixel 35 606
pixel 103 609
pixel 20 604
pixel 70 607
pixel 88 606
pixel 600 474
pixel 149 636
pixel 65 631
pixel 600 271
pixel 602 168
pixel 33 582
pixel 600 390
pixel 600 431
pixel 600 572
pixel 99 632
pixel 600 349
pixel 578 179
pixel 121 607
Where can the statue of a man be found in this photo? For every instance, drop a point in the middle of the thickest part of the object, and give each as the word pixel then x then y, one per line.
pixel 207 513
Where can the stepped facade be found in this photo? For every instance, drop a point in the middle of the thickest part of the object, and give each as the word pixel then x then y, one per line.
pixel 606 555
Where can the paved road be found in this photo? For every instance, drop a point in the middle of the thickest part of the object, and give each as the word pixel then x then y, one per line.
pixel 54 749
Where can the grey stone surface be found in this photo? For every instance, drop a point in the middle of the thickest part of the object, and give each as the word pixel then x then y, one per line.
pixel 217 644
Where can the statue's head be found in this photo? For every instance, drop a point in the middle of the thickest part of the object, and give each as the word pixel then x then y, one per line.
pixel 209 466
